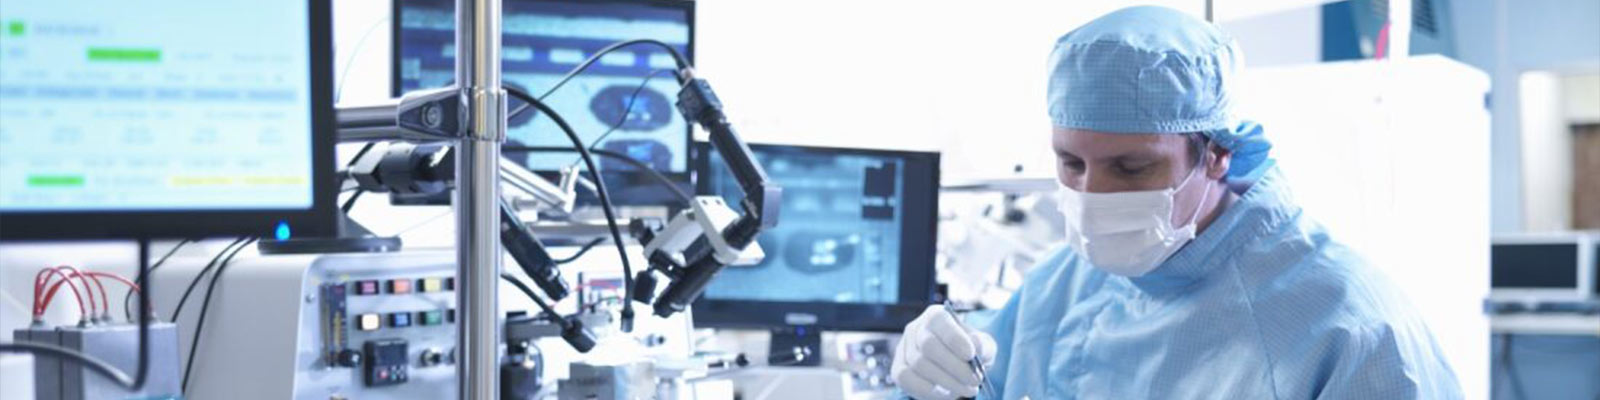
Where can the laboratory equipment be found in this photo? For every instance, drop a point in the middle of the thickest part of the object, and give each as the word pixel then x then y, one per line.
pixel 622 104
pixel 992 232
pixel 108 344
pixel 1545 269
pixel 855 252
pixel 426 115
pixel 607 382
pixel 117 345
pixel 688 251
pixel 1354 29
pixel 358 326
pixel 1544 314
pixel 203 124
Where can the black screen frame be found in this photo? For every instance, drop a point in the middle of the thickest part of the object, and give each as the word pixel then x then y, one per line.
pixel 1509 269
pixel 917 287
pixel 321 219
pixel 618 179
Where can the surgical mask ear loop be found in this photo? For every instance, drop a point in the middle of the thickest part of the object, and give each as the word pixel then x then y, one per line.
pixel 1207 193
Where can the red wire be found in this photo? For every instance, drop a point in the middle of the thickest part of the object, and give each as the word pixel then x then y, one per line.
pixel 105 298
pixel 115 277
pixel 49 296
pixel 42 300
pixel 86 289
pixel 118 278
pixel 39 281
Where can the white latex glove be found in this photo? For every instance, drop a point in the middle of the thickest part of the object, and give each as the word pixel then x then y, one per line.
pixel 933 361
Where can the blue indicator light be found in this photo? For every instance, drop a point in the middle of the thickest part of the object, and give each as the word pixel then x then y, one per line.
pixel 283 230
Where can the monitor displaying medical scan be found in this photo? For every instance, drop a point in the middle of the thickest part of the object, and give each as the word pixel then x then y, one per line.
pixel 856 228
pixel 625 101
pixel 116 116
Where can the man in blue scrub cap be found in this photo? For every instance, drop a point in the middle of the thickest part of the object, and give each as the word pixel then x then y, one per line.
pixel 1190 273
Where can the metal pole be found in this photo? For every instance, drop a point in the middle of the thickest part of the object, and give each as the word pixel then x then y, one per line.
pixel 477 196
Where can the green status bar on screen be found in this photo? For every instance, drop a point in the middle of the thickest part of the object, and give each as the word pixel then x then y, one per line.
pixel 123 54
pixel 55 180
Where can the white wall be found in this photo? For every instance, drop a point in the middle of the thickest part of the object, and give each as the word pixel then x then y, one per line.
pixel 1580 97
pixel 1506 38
pixel 965 78
pixel 1286 37
pixel 1546 154
pixel 361 46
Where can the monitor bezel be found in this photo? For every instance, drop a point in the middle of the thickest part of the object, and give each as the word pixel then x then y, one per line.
pixel 683 179
pixel 321 219
pixel 755 314
pixel 1585 244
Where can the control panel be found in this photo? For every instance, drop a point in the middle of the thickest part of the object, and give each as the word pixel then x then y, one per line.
pixel 386 331
pixel 376 326
pixel 386 362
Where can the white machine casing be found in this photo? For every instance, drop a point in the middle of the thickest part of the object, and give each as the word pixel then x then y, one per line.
pixel 267 304
pixel 707 218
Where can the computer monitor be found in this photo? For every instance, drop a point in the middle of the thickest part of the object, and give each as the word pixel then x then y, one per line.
pixel 543 40
pixel 1545 267
pixel 853 249
pixel 166 118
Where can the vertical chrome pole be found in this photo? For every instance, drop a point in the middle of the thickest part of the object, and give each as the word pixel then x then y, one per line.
pixel 476 201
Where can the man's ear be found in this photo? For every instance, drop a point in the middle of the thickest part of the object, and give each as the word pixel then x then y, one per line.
pixel 1221 159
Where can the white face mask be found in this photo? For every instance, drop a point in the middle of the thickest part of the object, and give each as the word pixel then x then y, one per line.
pixel 1126 233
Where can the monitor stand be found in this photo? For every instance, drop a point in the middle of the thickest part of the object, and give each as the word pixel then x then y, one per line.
pixel 353 238
pixel 798 346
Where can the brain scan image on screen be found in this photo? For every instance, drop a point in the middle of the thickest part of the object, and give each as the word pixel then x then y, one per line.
pixel 644 110
pixel 542 42
pixel 839 236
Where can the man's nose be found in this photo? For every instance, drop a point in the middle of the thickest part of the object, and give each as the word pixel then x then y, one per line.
pixel 1096 181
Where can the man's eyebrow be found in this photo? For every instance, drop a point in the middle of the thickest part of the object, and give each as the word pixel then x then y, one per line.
pixel 1137 157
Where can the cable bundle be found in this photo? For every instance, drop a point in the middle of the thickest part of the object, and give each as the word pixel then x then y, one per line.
pixel 44 292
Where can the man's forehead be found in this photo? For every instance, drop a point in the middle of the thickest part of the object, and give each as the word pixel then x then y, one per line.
pixel 1084 143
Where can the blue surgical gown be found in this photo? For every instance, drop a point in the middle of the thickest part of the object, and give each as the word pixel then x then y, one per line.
pixel 1261 305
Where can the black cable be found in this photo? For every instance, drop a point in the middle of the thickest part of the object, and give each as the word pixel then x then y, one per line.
pixel 178 311
pixel 351 202
pixel 523 287
pixel 627 109
pixel 581 251
pixel 676 57
pixel 656 175
pixel 69 355
pixel 141 374
pixel 127 300
pixel 200 323
pixel 600 189
pixel 676 191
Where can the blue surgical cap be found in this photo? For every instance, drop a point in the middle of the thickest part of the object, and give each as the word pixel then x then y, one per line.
pixel 1153 70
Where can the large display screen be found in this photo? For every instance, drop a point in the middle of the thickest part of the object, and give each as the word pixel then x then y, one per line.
pixel 625 101
pixel 841 232
pixel 155 105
